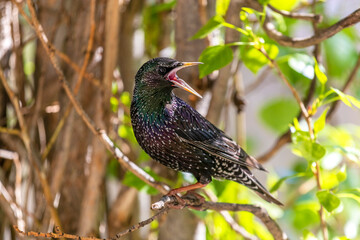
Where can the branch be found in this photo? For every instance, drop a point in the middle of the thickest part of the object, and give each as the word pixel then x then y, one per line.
pixel 10 131
pixel 315 18
pixel 280 142
pixel 322 34
pixel 190 201
pixel 316 38
pixel 59 234
pixel 141 224
pixel 347 84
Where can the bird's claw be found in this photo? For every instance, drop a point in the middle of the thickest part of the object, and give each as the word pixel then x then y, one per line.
pixel 194 199
pixel 174 201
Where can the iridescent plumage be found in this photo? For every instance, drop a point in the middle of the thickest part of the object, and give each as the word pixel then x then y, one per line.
pixel 177 136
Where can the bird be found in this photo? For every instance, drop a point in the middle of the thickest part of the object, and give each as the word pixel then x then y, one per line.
pixel 173 133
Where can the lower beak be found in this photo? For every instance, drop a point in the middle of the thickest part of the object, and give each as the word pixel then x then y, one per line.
pixel 178 82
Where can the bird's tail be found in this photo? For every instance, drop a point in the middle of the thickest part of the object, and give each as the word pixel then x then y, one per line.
pixel 248 179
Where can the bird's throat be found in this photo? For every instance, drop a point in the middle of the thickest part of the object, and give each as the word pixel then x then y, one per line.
pixel 151 101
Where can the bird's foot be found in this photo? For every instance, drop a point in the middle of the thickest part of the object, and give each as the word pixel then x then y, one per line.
pixel 179 203
pixel 194 200
pixel 191 200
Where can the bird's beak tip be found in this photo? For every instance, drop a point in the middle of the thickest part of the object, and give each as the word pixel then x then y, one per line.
pixel 188 64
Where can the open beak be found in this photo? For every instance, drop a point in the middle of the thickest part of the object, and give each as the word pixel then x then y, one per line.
pixel 178 82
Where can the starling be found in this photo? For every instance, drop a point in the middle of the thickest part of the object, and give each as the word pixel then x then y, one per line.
pixel 176 135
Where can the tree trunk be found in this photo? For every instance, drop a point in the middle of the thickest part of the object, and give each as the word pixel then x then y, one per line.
pixel 77 154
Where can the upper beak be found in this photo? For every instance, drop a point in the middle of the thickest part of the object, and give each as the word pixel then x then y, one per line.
pixel 178 82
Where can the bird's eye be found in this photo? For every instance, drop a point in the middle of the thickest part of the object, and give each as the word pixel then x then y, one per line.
pixel 162 70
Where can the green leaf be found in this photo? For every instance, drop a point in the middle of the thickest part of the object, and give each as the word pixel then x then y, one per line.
pixel 331 179
pixel 354 101
pixel 214 23
pixel 114 104
pixel 306 214
pixel 328 200
pixel 320 122
pixel 284 5
pixel 299 135
pixel 351 193
pixel 222 6
pixel 255 60
pixel 278 113
pixel 248 10
pixel 307 235
pixel 319 74
pixel 303 64
pixel 283 179
pixel 29 68
pixel 342 175
pixel 309 150
pixel 296 124
pixel 123 131
pixel 125 99
pixel 298 68
pixel 343 97
pixel 214 58
pixel 263 2
pixel 340 60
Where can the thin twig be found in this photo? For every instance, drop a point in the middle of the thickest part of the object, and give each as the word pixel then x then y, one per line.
pixel 279 143
pixel 141 224
pixel 76 67
pixel 59 234
pixel 317 38
pixel 10 131
pixel 347 84
pixel 261 77
pixel 316 18
pixel 316 172
pixel 292 89
pixel 27 143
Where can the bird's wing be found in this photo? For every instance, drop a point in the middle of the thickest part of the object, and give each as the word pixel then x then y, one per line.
pixel 197 131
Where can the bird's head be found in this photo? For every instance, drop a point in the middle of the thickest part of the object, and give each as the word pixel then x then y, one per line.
pixel 160 73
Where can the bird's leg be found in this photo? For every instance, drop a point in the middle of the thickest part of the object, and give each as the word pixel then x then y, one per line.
pixel 186 188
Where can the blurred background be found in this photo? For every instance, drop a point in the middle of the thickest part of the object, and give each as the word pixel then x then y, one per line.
pixel 54 171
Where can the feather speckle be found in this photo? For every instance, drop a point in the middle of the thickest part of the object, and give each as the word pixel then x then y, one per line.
pixel 177 136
